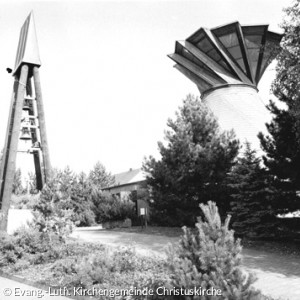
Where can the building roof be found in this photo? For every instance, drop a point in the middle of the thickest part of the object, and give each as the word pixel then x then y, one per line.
pixel 228 55
pixel 129 177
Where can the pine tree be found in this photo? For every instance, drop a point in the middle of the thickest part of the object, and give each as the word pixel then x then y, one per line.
pixel 99 177
pixel 66 194
pixel 52 214
pixel 254 200
pixel 210 257
pixel 76 191
pixel 282 146
pixel 192 167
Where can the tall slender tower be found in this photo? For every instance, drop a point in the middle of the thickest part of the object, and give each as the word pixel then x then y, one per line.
pixel 26 121
pixel 226 63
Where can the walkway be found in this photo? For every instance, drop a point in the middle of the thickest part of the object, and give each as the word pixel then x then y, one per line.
pixel 278 276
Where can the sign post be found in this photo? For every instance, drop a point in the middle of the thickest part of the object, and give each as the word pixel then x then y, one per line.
pixel 143 215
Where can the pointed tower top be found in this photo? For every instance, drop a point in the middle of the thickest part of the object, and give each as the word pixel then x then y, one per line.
pixel 28 51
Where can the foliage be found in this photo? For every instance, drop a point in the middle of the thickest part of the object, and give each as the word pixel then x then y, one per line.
pixel 89 265
pixel 76 189
pixel 52 212
pixel 29 245
pixel 282 146
pixel 77 198
pixel 66 198
pixel 142 193
pixel 192 167
pixel 111 208
pixel 254 200
pixel 66 191
pixel 17 187
pixel 211 258
pixel 99 177
pixel 25 201
pixel 107 268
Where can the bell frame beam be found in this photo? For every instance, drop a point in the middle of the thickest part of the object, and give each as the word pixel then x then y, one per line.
pixel 8 165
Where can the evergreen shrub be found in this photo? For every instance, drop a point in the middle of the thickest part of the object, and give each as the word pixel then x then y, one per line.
pixel 29 246
pixel 208 257
pixel 110 208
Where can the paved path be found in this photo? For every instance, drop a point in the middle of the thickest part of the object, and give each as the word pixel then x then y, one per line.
pixel 278 276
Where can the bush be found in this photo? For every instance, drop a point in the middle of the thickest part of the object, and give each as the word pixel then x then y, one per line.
pixel 8 251
pixel 108 269
pixel 52 213
pixel 26 201
pixel 67 197
pixel 30 246
pixel 110 208
pixel 211 258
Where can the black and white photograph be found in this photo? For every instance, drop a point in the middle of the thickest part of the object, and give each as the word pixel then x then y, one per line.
pixel 150 149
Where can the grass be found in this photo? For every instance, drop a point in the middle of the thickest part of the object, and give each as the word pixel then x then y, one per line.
pixel 152 230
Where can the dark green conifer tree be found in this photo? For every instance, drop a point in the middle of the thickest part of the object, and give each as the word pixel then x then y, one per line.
pixel 193 165
pixel 254 200
pixel 282 146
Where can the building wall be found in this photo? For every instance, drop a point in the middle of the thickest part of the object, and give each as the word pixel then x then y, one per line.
pixel 241 108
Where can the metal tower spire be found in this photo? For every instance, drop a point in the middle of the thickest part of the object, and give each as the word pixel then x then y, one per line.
pixel 28 50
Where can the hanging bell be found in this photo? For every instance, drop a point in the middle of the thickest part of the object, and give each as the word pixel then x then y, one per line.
pixel 25 136
pixel 26 105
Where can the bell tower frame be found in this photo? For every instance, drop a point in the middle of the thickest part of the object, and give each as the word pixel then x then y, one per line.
pixel 26 119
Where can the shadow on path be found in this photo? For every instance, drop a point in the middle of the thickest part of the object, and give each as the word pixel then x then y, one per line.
pixel 271 262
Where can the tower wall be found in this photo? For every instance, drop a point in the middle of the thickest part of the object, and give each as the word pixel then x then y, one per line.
pixel 239 108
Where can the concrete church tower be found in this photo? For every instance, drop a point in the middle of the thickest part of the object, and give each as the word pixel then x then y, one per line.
pixel 26 120
pixel 226 63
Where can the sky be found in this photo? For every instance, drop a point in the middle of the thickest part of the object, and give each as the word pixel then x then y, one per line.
pixel 108 85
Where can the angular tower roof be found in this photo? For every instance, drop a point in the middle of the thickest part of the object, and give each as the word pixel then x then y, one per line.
pixel 28 51
pixel 227 55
